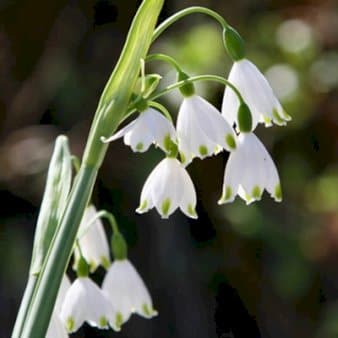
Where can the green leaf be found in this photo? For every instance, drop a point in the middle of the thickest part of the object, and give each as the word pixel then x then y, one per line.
pixel 54 201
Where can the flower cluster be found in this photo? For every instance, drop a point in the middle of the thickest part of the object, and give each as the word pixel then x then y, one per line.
pixel 122 293
pixel 202 131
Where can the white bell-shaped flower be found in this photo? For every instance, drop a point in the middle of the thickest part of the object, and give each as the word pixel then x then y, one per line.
pixel 201 130
pixel 92 241
pixel 168 187
pixel 85 301
pixel 149 127
pixel 249 171
pixel 56 328
pixel 257 94
pixel 127 291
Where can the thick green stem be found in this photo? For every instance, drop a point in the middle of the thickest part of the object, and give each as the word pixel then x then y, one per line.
pixel 187 11
pixel 58 257
pixel 112 107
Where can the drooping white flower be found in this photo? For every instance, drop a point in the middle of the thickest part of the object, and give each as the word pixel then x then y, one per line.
pixel 127 292
pixel 85 301
pixel 201 130
pixel 149 127
pixel 56 328
pixel 249 171
pixel 257 94
pixel 93 241
pixel 168 187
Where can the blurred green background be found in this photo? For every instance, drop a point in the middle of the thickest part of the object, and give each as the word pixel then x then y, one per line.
pixel 268 270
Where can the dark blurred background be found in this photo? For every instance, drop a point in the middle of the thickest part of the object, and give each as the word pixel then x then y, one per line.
pixel 268 270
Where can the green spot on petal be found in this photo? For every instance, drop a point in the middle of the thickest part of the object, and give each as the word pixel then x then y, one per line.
pixel 148 311
pixel 286 116
pixel 143 206
pixel 118 320
pixel 139 146
pixel 267 121
pixel 191 211
pixel 183 158
pixel 278 193
pixel 70 324
pixel 105 262
pixel 247 198
pixel 277 118
pixel 103 322
pixel 167 143
pixel 256 192
pixel 228 193
pixel 229 139
pixel 203 150
pixel 165 207
pixel 92 266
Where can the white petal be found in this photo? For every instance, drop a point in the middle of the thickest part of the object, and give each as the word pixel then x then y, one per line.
pixel 249 171
pixel 189 132
pixel 211 122
pixel 188 201
pixel 127 291
pixel 256 92
pixel 84 301
pixel 56 328
pixel 160 127
pixel 166 188
pixel 140 137
pixel 65 285
pixel 121 132
pixel 73 309
pixel 232 176
pixel 146 200
pixel 93 241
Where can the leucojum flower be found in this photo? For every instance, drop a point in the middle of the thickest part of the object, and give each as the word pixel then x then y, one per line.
pixel 125 287
pixel 168 187
pixel 92 241
pixel 201 131
pixel 149 127
pixel 249 171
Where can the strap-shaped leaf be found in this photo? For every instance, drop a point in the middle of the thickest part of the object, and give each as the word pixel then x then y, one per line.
pixel 54 201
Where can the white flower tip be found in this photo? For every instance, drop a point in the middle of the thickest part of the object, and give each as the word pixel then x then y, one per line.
pixel 117 323
pixel 257 193
pixel 277 195
pixel 165 208
pixel 139 147
pixel 148 311
pixel 227 196
pixel 267 122
pixel 103 323
pixel 105 262
pixel 104 139
pixel 143 207
pixel 278 119
pixel 191 212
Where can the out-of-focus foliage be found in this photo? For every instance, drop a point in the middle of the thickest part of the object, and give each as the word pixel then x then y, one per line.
pixel 238 270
